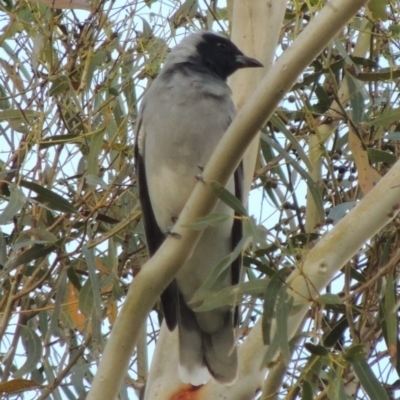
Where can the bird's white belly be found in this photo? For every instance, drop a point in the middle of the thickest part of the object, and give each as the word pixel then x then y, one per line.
pixel 175 187
pixel 215 243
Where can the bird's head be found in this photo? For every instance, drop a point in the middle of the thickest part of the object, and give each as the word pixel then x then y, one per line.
pixel 213 51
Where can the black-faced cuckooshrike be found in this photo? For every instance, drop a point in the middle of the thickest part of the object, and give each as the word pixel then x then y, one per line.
pixel 182 118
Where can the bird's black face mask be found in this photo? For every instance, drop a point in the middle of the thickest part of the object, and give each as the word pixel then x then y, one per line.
pixel 222 57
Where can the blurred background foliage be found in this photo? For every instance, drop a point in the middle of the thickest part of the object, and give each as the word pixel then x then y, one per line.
pixel 71 240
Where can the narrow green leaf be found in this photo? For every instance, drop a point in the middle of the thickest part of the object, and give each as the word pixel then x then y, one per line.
pixel 355 353
pixel 338 212
pixel 257 232
pixel 275 285
pixel 228 198
pixel 61 295
pixel 230 295
pixel 356 99
pixel 4 100
pixel 25 241
pixel 359 277
pixel 86 298
pixel 31 254
pixel 15 203
pixel 49 198
pixel 60 85
pixel 113 91
pixel 127 70
pixel 391 319
pixel 316 350
pixel 384 74
pixel 33 347
pixel 307 391
pixel 78 379
pixel 55 140
pixel 335 389
pixel 210 220
pixel 36 235
pixel 94 280
pixel 50 376
pixel 96 327
pixel 329 298
pixel 376 155
pixel 218 275
pixel 283 308
pixel 303 239
pixel 324 100
pixel 73 277
pixel 184 13
pixel 394 29
pixel 314 368
pixel 368 380
pixel 378 9
pixel 18 115
pixel 386 118
pixel 96 145
pixel 271 352
pixel 94 180
pixel 341 48
pixel 3 250
pixel 98 58
pixel 336 333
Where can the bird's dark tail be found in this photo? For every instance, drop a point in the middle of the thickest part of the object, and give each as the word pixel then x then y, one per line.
pixel 204 353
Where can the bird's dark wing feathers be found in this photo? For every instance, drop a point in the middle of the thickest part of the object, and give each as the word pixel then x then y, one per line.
pixel 154 237
pixel 237 233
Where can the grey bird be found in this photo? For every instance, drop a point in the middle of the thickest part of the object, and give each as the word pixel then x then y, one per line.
pixel 182 118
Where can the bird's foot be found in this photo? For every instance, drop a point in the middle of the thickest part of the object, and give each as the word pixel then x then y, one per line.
pixel 175 235
pixel 199 177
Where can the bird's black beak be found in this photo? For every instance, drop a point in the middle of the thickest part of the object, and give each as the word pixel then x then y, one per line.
pixel 243 61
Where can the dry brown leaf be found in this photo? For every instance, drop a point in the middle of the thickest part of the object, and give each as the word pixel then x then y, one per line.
pixel 78 319
pixel 104 273
pixel 18 385
pixel 112 310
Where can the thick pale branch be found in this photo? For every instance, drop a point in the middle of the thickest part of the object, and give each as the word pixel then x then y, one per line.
pixel 256 27
pixel 336 247
pixel 161 269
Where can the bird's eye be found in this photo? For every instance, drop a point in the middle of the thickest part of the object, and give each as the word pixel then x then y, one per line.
pixel 221 45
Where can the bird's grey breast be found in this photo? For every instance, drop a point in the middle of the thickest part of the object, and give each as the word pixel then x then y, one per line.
pixel 188 112
pixel 184 116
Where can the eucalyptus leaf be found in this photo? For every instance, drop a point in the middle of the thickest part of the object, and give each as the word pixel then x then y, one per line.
pixel 338 212
pixel 209 220
pixel 376 155
pixel 34 349
pixel 49 198
pixel 94 281
pixel 368 380
pixel 15 203
pixel 228 198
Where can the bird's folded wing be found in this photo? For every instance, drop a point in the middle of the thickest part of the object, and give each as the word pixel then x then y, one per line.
pixel 154 235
